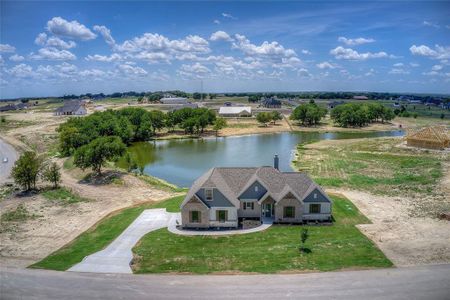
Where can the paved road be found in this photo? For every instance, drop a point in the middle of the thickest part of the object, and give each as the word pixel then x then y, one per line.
pixel 6 150
pixel 117 256
pixel 428 282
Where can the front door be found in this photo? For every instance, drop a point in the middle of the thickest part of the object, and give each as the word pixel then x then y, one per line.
pixel 267 210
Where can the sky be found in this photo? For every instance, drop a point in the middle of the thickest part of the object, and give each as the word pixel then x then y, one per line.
pixel 56 48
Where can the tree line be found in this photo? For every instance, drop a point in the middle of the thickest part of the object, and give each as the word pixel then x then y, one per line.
pixel 103 136
pixel 360 114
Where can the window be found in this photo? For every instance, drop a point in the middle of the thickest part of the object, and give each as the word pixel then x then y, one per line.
pixel 248 205
pixel 289 212
pixel 195 216
pixel 221 215
pixel 209 194
pixel 315 195
pixel 314 208
pixel 256 188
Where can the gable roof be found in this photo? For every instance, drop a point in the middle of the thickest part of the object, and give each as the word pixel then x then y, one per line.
pixel 432 133
pixel 232 182
pixel 235 109
pixel 69 106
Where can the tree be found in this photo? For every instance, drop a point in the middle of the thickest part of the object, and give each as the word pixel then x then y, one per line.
pixel 309 113
pixel 131 162
pixel 276 116
pixel 219 123
pixel 95 154
pixel 26 170
pixel 264 117
pixel 442 116
pixel 52 174
pixel 303 237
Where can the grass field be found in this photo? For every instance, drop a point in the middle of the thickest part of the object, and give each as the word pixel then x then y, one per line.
pixel 100 235
pixel 274 250
pixel 375 165
pixel 62 195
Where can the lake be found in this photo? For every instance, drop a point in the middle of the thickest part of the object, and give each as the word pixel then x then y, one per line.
pixel 181 161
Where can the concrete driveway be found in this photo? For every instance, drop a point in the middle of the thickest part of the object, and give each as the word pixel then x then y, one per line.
pixel 117 256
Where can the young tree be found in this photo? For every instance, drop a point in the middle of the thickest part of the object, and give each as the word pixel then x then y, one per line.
pixel 219 124
pixel 303 237
pixel 52 174
pixel 95 154
pixel 26 170
pixel 276 116
pixel 264 117
pixel 131 162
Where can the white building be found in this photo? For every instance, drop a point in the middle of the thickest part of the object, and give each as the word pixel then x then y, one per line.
pixel 173 100
pixel 235 111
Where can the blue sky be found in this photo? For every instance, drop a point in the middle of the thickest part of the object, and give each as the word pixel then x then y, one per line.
pixel 56 48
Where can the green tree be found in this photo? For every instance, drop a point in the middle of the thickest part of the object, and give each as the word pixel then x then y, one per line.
pixel 303 237
pixel 276 116
pixel 130 162
pixel 219 124
pixel 308 114
pixel 95 154
pixel 26 170
pixel 442 116
pixel 264 117
pixel 52 174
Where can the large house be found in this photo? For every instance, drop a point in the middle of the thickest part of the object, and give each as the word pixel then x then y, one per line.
pixel 225 197
pixel 72 108
pixel 271 102
pixel 235 111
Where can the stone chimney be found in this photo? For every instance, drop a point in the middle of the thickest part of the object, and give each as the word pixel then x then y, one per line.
pixel 276 161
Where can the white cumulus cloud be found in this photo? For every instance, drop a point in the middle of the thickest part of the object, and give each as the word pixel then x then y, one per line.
pixel 7 48
pixel 103 58
pixel 69 29
pixel 51 53
pixel 326 65
pixel 350 54
pixel 355 42
pixel 220 36
pixel 439 52
pixel 106 34
pixel 16 58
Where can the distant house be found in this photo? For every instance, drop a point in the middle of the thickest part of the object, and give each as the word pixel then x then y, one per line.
pixel 228 104
pixel 333 104
pixel 271 102
pixel 71 108
pixel 235 111
pixel 174 100
pixel 360 98
pixel 8 107
pixel 396 104
pixel 228 197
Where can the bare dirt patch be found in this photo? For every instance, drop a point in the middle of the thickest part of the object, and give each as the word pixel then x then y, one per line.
pixel 405 240
pixel 56 224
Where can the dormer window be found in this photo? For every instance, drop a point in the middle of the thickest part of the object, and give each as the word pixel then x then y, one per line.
pixel 209 194
pixel 256 188
pixel 315 195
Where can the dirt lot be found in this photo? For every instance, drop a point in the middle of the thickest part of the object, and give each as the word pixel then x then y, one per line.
pixel 55 224
pixel 405 240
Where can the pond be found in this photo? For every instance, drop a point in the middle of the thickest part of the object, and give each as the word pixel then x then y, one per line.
pixel 182 161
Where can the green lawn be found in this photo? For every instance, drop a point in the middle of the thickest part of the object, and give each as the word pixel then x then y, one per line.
pixel 62 195
pixel 334 247
pixel 375 165
pixel 100 235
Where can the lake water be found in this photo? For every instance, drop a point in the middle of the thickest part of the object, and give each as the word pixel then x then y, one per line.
pixel 181 161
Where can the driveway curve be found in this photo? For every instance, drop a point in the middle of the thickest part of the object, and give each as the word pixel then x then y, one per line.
pixel 116 257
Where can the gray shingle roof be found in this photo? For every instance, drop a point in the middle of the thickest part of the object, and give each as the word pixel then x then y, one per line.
pixel 69 106
pixel 232 182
